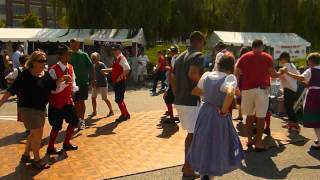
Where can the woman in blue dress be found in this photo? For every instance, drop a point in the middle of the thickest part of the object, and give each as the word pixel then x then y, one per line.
pixel 216 148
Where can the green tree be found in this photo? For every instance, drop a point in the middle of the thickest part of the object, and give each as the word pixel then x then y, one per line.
pixel 31 21
pixel 2 23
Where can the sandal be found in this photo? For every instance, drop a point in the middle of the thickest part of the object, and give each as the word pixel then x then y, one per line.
pixel 110 114
pixel 25 159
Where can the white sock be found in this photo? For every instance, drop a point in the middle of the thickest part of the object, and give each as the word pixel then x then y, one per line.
pixel 317 131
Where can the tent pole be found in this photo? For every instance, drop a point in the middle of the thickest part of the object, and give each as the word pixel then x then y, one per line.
pixel 32 46
pixel 136 50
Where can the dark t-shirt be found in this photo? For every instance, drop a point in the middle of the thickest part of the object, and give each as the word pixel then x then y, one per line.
pixel 33 91
pixel 100 77
pixel 184 85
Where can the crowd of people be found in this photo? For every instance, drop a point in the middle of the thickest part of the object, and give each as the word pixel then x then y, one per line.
pixel 63 88
pixel 203 100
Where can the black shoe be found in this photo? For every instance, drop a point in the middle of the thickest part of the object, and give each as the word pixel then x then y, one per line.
pixel 25 159
pixel 70 147
pixel 54 151
pixel 122 118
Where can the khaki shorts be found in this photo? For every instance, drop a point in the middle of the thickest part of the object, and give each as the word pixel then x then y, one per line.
pixel 255 102
pixel 32 118
pixel 100 90
pixel 188 116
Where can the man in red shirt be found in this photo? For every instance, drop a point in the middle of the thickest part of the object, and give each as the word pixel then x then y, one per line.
pixel 256 68
pixel 119 71
pixel 160 73
pixel 61 105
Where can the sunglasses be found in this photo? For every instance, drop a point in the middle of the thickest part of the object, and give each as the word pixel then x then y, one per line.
pixel 41 61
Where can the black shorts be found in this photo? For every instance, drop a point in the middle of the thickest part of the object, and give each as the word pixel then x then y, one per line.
pixel 119 90
pixel 168 96
pixel 82 94
pixel 56 116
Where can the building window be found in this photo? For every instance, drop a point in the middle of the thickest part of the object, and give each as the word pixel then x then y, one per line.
pixel 18 10
pixel 2 9
pixel 51 24
pixel 17 23
pixel 50 12
pixel 36 10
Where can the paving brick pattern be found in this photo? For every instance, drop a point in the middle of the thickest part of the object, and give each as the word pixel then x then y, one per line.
pixel 107 149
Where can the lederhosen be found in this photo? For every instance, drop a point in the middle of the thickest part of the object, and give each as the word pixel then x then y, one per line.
pixel 61 104
pixel 119 87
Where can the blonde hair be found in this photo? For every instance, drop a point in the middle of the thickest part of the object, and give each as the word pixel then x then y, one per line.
pixel 96 54
pixel 33 57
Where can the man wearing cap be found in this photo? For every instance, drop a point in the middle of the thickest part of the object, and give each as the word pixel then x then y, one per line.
pixel 220 50
pixel 187 71
pixel 84 70
pixel 160 73
pixel 60 102
pixel 168 95
pixel 119 71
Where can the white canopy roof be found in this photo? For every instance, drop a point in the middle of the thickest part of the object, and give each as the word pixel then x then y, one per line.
pixel 269 39
pixel 64 35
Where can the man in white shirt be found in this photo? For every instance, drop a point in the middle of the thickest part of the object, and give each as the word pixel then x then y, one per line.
pixel 61 106
pixel 290 87
pixel 16 56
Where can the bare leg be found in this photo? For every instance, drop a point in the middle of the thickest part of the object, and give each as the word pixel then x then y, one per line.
pixel 28 145
pixel 260 128
pixel 109 105
pixel 186 169
pixel 249 127
pixel 82 109
pixel 36 142
pixel 94 105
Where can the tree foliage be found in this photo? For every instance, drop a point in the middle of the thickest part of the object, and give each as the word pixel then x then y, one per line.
pixel 31 21
pixel 175 19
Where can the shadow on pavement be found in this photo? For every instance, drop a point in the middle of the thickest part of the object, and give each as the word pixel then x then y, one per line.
pixel 14 138
pixel 262 165
pixel 167 129
pixel 315 153
pixel 22 172
pixel 106 129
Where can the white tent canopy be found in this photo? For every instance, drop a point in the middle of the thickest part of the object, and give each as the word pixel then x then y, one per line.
pixel 64 35
pixel 279 42
pixel 269 39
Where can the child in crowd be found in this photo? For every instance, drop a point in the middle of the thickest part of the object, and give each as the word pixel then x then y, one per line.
pixel 290 87
pixel 311 113
pixel 216 148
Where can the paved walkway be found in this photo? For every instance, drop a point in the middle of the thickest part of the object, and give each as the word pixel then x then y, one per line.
pixel 108 149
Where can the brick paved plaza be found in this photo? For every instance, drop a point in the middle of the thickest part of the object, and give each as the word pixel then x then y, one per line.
pixel 143 148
